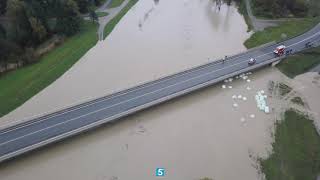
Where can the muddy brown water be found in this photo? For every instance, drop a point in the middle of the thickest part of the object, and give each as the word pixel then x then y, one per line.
pixel 192 137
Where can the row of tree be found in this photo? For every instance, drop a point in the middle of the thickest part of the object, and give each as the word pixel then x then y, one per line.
pixel 24 24
pixel 286 8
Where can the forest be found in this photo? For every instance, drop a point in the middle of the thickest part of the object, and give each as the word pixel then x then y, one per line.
pixel 27 24
pixel 286 8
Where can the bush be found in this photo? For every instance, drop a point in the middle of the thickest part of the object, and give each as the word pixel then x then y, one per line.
pixel 29 56
pixel 69 20
pixel 68 26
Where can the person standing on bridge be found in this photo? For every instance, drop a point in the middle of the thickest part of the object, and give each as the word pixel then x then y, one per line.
pixel 224 59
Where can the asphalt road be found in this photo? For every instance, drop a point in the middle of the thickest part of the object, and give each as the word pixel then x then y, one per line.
pixel 40 131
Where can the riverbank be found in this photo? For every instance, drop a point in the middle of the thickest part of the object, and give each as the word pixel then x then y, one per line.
pixel 115 3
pixel 243 10
pixel 296 149
pixel 288 29
pixel 18 86
pixel 300 63
pixel 114 21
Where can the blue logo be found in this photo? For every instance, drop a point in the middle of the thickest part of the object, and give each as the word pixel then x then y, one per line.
pixel 160 172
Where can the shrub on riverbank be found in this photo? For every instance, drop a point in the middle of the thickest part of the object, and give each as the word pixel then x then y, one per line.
pixel 18 86
pixel 296 150
pixel 300 63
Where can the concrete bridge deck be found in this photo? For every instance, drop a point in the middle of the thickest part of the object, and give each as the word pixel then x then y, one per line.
pixel 53 127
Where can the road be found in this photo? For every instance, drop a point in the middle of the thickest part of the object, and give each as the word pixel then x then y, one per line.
pixel 50 128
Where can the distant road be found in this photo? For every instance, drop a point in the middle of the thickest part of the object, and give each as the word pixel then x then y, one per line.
pixel 53 127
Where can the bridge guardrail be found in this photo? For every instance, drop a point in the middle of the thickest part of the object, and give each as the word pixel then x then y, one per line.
pixel 117 92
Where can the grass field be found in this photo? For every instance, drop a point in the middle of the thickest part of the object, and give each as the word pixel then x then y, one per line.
pixel 290 28
pixel 102 14
pixel 296 150
pixel 18 86
pixel 110 26
pixel 300 63
pixel 115 3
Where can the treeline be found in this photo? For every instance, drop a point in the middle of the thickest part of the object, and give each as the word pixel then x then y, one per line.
pixel 286 8
pixel 25 24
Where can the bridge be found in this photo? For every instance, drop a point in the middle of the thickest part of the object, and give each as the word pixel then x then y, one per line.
pixel 40 131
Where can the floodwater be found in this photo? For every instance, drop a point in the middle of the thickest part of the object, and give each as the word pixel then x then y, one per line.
pixel 308 85
pixel 199 135
pixel 151 41
pixel 192 137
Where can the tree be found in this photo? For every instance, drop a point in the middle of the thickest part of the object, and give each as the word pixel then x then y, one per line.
pixel 97 2
pixel 9 51
pixel 39 32
pixel 19 27
pixel 68 18
pixel 93 15
pixel 3 5
pixel 83 5
pixel 2 32
pixel 314 7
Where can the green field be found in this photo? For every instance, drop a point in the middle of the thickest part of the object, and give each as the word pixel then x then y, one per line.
pixel 296 150
pixel 290 28
pixel 115 3
pixel 110 26
pixel 300 63
pixel 18 86
pixel 102 14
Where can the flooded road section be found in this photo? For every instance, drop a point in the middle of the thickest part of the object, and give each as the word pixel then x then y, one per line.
pixel 191 137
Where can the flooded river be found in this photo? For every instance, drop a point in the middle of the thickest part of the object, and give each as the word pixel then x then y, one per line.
pixel 192 137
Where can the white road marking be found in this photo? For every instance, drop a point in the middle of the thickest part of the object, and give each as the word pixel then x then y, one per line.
pixel 120 94
pixel 152 92
pixel 134 97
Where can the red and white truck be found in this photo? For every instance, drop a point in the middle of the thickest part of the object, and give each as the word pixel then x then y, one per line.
pixel 279 51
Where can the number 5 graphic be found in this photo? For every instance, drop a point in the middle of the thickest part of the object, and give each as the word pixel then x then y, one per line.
pixel 160 172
